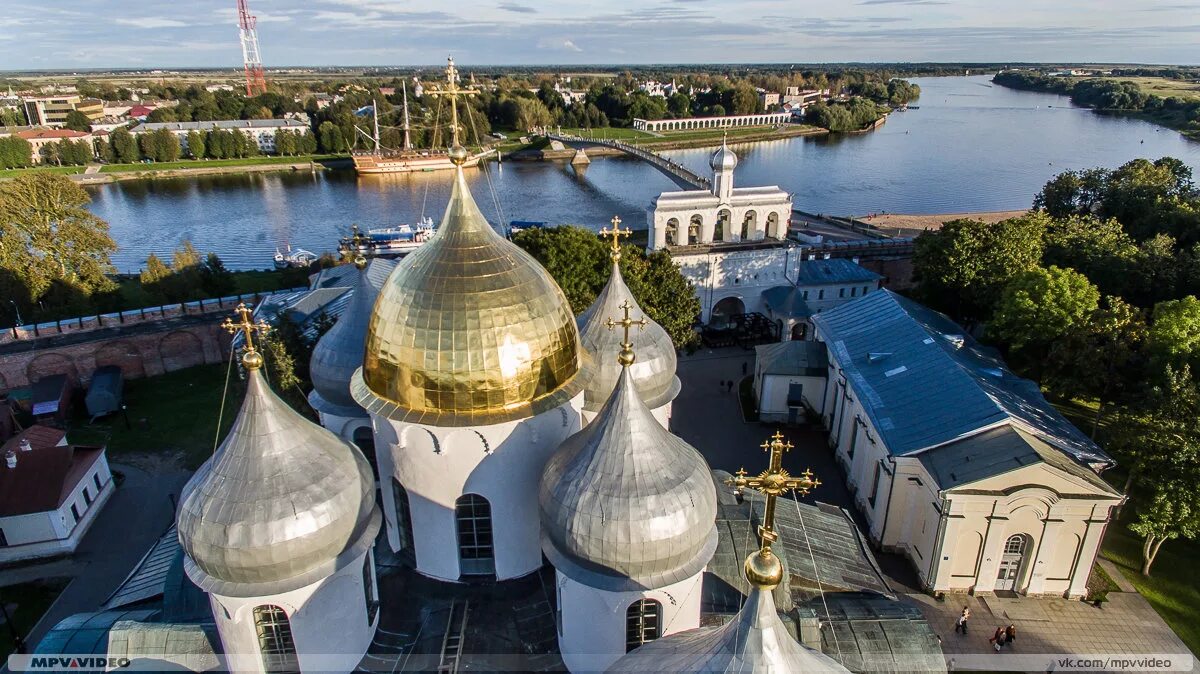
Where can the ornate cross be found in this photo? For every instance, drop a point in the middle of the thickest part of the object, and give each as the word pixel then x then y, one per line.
pixel 246 325
pixel 453 92
pixel 626 356
pixel 616 233
pixel 773 482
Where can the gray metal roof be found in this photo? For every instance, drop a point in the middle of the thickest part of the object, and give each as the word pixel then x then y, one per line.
pixel 146 580
pixel 797 357
pixel 869 633
pixel 997 451
pixel 787 301
pixel 281 504
pixel 923 381
pixel 756 640
pixel 624 503
pixel 170 647
pixel 653 371
pixel 340 351
pixel 87 633
pixel 832 270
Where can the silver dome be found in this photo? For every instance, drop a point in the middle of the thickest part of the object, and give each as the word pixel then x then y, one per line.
pixel 723 159
pixel 755 641
pixel 625 504
pixel 340 351
pixel 653 371
pixel 281 504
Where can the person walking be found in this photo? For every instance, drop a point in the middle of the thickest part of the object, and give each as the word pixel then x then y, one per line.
pixel 997 639
pixel 960 626
pixel 1010 634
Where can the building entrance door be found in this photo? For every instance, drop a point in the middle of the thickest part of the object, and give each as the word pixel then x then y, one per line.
pixel 1010 563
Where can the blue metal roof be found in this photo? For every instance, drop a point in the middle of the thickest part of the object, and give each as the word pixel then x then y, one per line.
pixel 923 381
pixel 787 301
pixel 832 270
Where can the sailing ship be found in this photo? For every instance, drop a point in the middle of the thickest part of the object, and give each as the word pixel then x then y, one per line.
pixel 407 159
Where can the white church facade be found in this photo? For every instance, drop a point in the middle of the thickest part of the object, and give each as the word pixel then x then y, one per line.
pixel 954 461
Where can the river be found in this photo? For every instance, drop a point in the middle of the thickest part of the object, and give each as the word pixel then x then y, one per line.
pixel 970 146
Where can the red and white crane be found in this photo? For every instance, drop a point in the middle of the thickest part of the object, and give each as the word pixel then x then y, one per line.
pixel 256 82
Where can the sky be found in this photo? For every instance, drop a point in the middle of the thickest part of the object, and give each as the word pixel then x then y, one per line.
pixel 65 34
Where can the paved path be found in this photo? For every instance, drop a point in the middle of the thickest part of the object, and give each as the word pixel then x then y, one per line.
pixel 130 523
pixel 1117 577
pixel 1126 624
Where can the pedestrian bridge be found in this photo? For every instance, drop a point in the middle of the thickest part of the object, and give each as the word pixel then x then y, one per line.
pixel 681 175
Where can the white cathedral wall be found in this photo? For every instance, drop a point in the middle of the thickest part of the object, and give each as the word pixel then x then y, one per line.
pixel 338 600
pixel 716 275
pixel 592 622
pixel 501 462
pixel 343 427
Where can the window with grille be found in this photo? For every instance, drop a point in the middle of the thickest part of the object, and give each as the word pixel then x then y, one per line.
pixel 1015 545
pixel 643 622
pixel 476 556
pixel 875 485
pixel 369 590
pixel 74 514
pixel 99 484
pixel 404 527
pixel 87 496
pixel 275 640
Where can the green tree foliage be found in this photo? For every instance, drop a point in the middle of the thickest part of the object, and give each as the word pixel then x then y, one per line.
pixel 48 237
pixel 124 146
pixel 15 152
pixel 155 272
pixel 1040 306
pixel 196 144
pixel 105 151
pixel 1098 249
pixel 963 267
pixel 215 279
pixel 331 139
pixel 159 146
pixel 77 121
pixel 579 261
pixel 1172 512
pixel 1175 332
pixel 857 114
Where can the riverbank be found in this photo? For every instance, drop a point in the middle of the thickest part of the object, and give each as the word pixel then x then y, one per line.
pixel 900 224
pixel 99 174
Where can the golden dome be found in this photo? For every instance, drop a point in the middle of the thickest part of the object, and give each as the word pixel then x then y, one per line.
pixel 469 329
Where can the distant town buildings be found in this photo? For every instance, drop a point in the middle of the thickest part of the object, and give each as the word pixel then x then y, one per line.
pixel 53 110
pixel 261 131
pixel 39 137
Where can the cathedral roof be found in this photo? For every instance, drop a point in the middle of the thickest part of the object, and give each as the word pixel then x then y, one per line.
pixel 654 370
pixel 756 640
pixel 281 504
pixel 624 503
pixel 340 351
pixel 723 159
pixel 469 329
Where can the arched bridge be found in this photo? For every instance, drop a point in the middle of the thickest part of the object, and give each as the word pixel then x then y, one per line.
pixel 681 175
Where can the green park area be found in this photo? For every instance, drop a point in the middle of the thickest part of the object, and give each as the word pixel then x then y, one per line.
pixel 141 167
pixel 1162 86
pixel 62 170
pixel 25 604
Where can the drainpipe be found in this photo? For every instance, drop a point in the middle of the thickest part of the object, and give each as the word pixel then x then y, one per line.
pixel 935 560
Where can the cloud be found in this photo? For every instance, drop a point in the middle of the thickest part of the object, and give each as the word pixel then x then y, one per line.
pixel 514 7
pixel 903 2
pixel 558 43
pixel 152 22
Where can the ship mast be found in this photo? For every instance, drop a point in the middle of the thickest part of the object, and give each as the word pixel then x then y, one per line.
pixel 407 141
pixel 375 113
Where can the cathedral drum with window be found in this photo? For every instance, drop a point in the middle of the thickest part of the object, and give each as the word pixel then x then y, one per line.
pixel 277 528
pixel 473 375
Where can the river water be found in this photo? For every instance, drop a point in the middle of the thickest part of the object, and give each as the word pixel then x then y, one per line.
pixel 970 146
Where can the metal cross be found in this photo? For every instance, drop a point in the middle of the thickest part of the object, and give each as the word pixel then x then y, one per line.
pixel 773 482
pixel 626 355
pixel 616 233
pixel 246 325
pixel 453 91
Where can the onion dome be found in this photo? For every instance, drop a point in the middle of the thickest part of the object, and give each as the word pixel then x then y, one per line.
pixel 624 504
pixel 339 352
pixel 723 159
pixel 654 370
pixel 282 503
pixel 756 640
pixel 469 329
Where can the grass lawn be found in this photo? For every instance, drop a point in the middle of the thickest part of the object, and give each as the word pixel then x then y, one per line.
pixel 213 163
pixel 734 133
pixel 609 133
pixel 1162 86
pixel 26 603
pixel 173 413
pixel 65 170
pixel 1173 589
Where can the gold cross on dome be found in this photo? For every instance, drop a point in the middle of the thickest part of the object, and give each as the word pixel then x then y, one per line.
pixel 773 482
pixel 615 233
pixel 626 356
pixel 453 91
pixel 246 325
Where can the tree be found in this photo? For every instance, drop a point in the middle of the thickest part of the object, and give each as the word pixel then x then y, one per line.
pixel 48 236
pixel 215 279
pixel 331 138
pixel 195 143
pixel 1098 249
pixel 1039 306
pixel 104 151
pixel 15 152
pixel 1175 332
pixel 154 276
pixel 124 146
pixel 1173 512
pixel 578 260
pixel 963 267
pixel 77 121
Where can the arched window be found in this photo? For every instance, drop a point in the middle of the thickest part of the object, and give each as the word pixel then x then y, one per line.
pixel 643 622
pixel 404 527
pixel 275 640
pixel 476 556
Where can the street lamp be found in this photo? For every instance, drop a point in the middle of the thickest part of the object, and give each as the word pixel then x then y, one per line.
pixel 18 310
